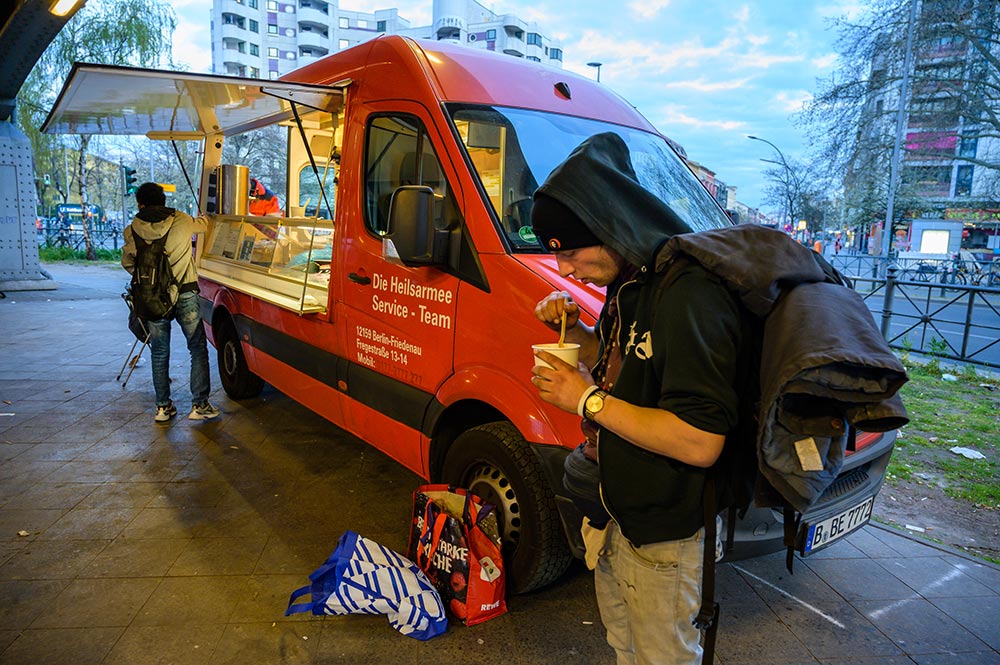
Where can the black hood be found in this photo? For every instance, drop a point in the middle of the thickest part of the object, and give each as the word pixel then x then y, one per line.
pixel 598 184
pixel 154 214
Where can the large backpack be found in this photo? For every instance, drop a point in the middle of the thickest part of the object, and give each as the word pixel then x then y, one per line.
pixel 811 375
pixel 154 287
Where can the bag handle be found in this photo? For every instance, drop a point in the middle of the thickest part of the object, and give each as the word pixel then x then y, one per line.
pixel 301 607
pixel 423 559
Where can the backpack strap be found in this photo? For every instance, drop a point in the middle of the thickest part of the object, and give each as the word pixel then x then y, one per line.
pixel 707 619
pixel 791 520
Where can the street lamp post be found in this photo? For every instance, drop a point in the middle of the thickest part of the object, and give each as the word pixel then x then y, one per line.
pixel 598 66
pixel 788 174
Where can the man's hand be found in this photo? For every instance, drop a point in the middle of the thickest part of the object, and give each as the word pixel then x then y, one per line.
pixel 562 386
pixel 549 310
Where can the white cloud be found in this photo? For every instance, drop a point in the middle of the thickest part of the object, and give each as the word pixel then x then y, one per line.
pixel 649 8
pixel 792 101
pixel 764 60
pixel 673 115
pixel 701 85
pixel 825 61
pixel 191 44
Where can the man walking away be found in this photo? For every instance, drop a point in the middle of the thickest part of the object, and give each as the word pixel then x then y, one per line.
pixel 153 222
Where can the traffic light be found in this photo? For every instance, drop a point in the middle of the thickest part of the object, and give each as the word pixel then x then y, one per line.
pixel 129 178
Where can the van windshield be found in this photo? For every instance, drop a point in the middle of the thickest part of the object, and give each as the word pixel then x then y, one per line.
pixel 514 150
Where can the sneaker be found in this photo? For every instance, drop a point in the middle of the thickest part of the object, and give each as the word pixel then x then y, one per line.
pixel 165 413
pixel 203 412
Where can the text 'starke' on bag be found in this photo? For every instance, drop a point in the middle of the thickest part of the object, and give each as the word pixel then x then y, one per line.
pixel 455 539
pixel 363 577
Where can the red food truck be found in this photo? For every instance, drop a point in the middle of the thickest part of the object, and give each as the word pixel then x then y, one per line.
pixel 394 294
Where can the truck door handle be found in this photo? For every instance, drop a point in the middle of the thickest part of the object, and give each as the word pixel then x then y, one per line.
pixel 359 279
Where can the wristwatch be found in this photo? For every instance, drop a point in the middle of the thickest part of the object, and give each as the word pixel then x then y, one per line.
pixel 594 404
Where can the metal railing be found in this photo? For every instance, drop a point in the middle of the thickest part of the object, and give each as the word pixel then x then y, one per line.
pixel 932 312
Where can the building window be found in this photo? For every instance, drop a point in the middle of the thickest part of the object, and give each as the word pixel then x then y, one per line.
pixel 272 52
pixel 963 180
pixel 252 4
pixel 380 26
pixel 289 55
pixel 253 72
pixel 534 59
pixel 967 148
pixel 272 5
pixel 534 39
pixel 472 36
pixel 344 43
pixel 272 29
pixel 254 49
pixel 555 53
pixel 491 34
pixel 272 75
pixel 344 23
pixel 254 26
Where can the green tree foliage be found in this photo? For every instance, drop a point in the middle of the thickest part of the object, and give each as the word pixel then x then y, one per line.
pixel 112 32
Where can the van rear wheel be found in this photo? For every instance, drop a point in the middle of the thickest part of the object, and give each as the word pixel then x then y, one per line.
pixel 495 463
pixel 237 379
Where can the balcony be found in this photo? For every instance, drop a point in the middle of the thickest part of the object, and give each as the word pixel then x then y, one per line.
pixel 314 15
pixel 232 58
pixel 313 39
pixel 232 31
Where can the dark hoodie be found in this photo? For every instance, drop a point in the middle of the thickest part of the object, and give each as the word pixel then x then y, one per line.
pixel 680 344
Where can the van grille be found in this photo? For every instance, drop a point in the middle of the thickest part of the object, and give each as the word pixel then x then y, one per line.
pixel 845 484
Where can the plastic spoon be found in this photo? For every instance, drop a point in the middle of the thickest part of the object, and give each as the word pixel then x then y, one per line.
pixel 562 330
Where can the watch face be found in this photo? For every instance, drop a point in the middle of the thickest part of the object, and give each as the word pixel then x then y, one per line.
pixel 595 402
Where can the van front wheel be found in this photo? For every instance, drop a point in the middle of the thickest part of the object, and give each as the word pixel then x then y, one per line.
pixel 496 464
pixel 237 379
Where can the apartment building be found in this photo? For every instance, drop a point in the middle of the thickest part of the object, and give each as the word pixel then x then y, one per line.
pixel 949 180
pixel 268 38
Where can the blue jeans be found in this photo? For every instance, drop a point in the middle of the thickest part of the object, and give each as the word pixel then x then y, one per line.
pixel 186 313
pixel 648 597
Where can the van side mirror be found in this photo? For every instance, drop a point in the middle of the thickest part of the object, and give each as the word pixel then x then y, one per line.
pixel 413 237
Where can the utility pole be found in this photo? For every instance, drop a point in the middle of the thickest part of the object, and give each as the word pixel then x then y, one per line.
pixel 904 90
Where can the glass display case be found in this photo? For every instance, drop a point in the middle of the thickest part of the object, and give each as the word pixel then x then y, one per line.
pixel 283 260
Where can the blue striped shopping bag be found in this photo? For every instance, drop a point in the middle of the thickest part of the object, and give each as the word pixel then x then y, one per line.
pixel 363 577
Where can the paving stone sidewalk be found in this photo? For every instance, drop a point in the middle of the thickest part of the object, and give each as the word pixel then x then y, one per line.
pixel 181 543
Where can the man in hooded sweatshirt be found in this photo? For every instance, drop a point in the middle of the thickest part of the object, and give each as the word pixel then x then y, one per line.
pixel 154 220
pixel 656 387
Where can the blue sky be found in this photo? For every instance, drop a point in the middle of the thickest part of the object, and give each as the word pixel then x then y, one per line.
pixel 705 72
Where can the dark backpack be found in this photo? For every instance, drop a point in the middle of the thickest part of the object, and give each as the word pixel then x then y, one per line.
pixel 154 287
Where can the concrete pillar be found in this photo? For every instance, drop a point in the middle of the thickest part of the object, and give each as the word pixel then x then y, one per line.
pixel 19 266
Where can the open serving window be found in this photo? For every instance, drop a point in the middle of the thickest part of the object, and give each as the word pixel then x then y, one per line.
pixel 286 133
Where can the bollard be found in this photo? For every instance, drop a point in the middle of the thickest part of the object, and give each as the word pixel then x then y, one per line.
pixel 890 287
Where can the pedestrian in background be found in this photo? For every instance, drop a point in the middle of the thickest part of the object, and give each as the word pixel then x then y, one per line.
pixel 657 389
pixel 153 221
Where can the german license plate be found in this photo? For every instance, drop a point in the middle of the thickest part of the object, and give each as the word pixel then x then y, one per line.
pixel 823 533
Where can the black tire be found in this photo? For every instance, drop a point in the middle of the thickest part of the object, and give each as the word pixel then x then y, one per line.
pixel 237 379
pixel 495 463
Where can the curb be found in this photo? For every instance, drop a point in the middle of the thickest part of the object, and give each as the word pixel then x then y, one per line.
pixel 947 549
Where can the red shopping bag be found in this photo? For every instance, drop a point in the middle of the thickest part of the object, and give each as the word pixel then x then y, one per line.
pixel 455 540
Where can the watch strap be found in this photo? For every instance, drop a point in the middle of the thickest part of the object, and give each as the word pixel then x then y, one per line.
pixel 583 399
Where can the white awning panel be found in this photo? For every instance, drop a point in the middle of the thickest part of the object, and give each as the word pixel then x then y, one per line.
pixel 104 99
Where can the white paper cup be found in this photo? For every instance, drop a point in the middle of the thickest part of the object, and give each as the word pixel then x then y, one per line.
pixel 568 352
